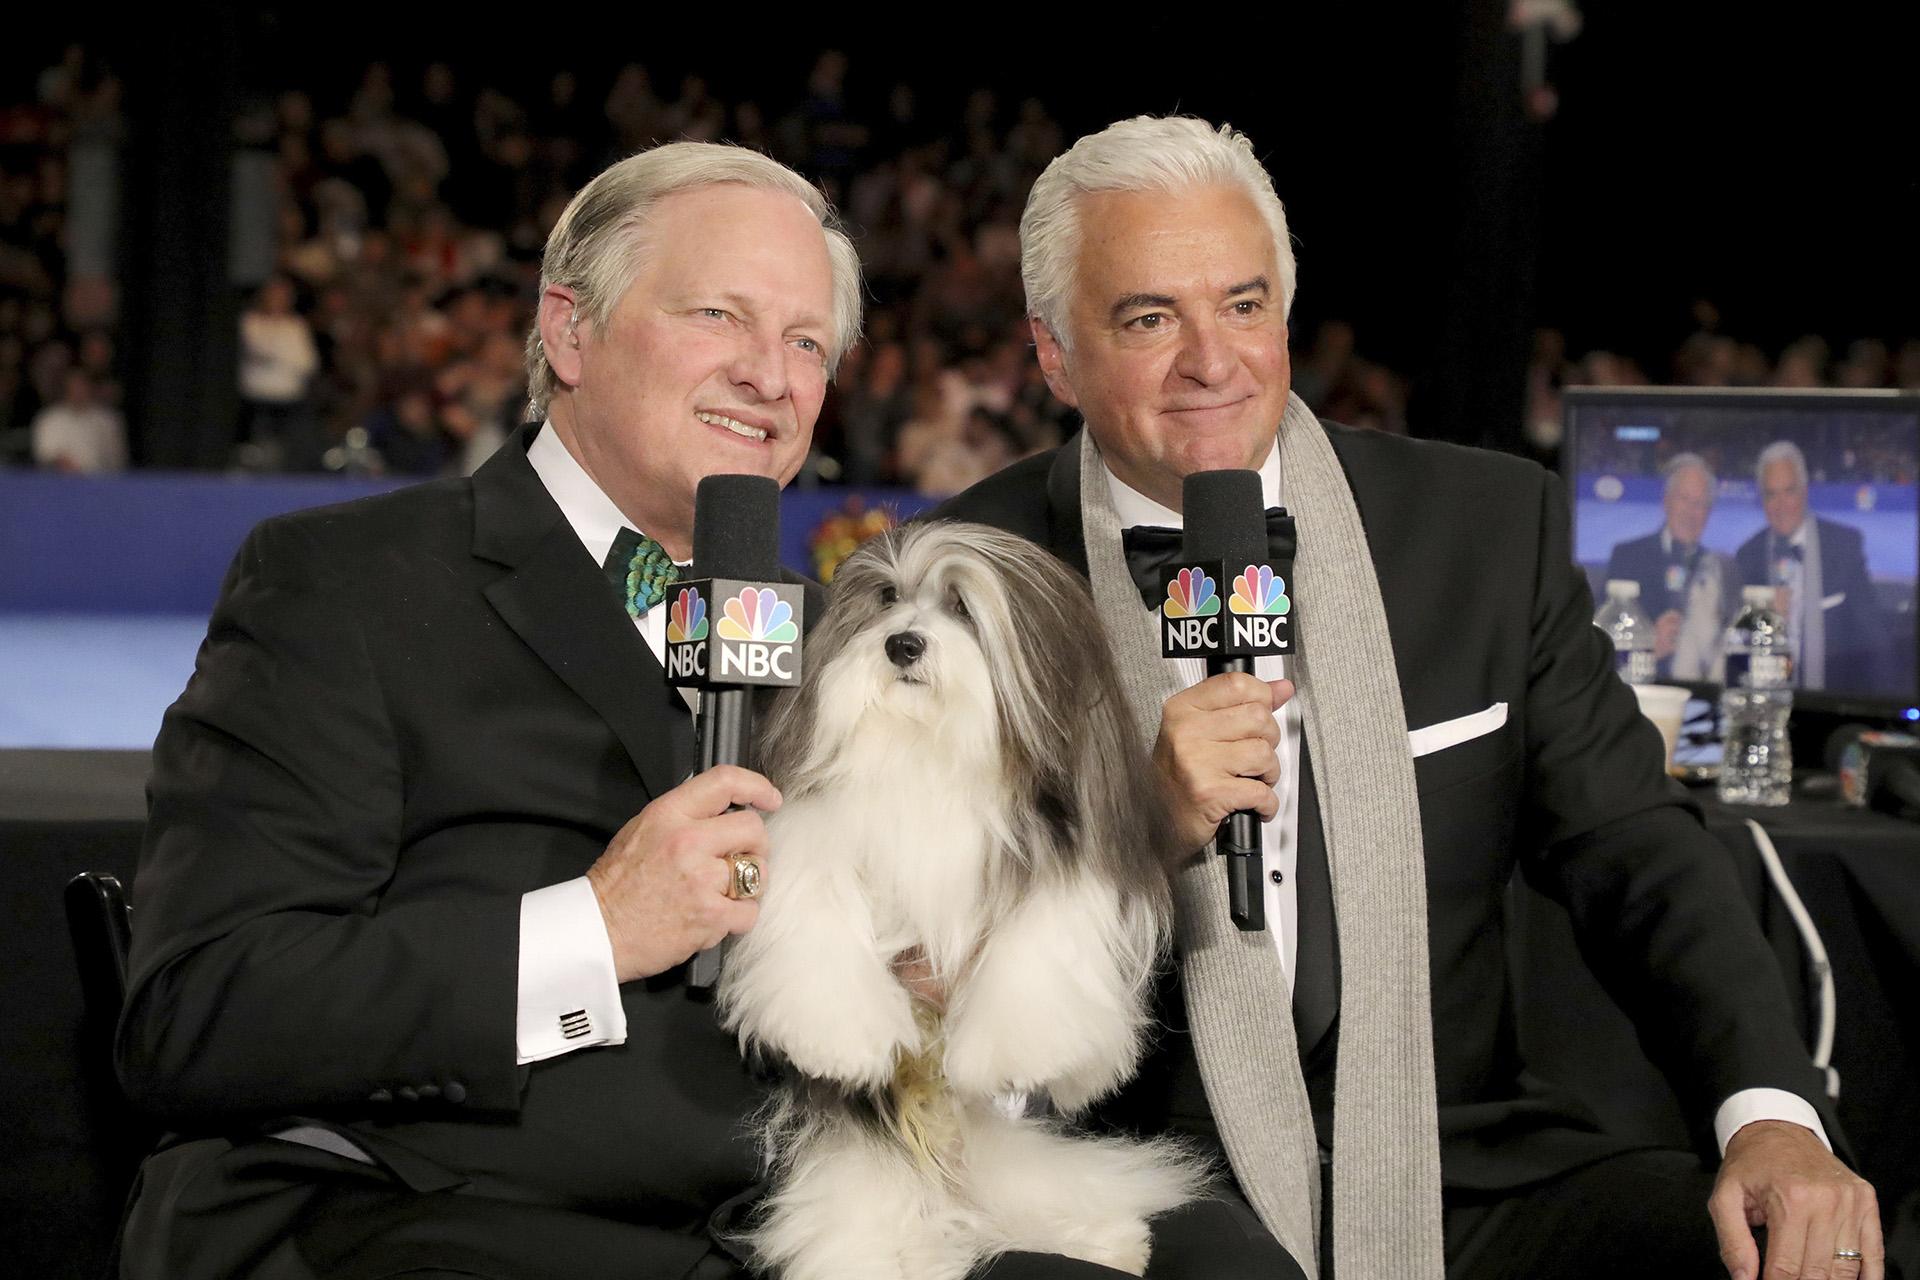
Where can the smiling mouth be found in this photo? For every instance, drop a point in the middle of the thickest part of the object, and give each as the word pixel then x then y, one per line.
pixel 1208 408
pixel 739 428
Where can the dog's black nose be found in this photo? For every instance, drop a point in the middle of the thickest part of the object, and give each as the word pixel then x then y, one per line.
pixel 905 647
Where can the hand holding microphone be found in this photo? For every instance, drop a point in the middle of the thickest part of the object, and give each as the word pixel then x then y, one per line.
pixel 735 626
pixel 1217 753
pixel 1226 601
pixel 662 882
pixel 681 876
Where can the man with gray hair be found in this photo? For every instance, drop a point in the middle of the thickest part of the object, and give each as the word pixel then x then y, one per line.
pixel 425 861
pixel 1818 570
pixel 1450 715
pixel 1690 591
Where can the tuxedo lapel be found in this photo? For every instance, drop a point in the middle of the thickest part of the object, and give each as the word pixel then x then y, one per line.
pixel 1067 535
pixel 558 601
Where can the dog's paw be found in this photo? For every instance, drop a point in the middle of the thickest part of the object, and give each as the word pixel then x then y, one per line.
pixel 987 1058
pixel 976 1063
pixel 831 1006
pixel 858 1045
pixel 1068 1059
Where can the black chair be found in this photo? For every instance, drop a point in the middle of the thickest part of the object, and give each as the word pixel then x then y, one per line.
pixel 99 921
pixel 101 925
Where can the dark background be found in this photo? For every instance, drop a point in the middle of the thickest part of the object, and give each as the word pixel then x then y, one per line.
pixel 1764 157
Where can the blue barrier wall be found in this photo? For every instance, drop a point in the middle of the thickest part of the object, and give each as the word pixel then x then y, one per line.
pixel 160 542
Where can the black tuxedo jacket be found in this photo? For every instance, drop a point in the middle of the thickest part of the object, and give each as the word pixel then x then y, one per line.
pixel 1644 561
pixel 1485 606
pixel 408 712
pixel 1859 652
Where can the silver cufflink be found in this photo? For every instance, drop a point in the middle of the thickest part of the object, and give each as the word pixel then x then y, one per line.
pixel 576 1024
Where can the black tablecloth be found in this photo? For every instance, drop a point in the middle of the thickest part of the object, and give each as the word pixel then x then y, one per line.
pixel 1859 875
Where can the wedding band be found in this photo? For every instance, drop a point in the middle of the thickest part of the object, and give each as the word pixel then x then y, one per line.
pixel 1848 1255
pixel 746 879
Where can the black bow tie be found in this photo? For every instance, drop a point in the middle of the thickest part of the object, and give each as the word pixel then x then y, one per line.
pixel 1152 550
pixel 1791 551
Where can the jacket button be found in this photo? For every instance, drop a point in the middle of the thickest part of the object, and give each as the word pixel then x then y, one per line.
pixel 380 1095
pixel 407 1093
pixel 455 1092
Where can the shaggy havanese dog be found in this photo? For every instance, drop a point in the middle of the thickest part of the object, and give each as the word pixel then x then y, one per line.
pixel 964 906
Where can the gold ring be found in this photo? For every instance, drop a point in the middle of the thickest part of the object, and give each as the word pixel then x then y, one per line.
pixel 745 882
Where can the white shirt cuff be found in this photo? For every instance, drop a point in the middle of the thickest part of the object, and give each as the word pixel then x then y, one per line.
pixel 569 993
pixel 1749 1105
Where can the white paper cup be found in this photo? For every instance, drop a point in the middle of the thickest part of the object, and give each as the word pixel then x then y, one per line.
pixel 1663 704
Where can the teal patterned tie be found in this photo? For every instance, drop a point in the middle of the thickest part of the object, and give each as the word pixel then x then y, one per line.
pixel 640 570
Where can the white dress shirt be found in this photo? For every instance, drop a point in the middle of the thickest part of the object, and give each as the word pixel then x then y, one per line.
pixel 1279 837
pixel 566 958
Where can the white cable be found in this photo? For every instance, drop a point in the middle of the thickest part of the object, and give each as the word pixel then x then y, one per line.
pixel 1816 953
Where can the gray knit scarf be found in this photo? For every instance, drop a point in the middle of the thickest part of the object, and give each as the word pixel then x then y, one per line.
pixel 1386 1170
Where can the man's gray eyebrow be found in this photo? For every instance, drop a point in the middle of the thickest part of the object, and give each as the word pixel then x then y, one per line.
pixel 734 298
pixel 1135 301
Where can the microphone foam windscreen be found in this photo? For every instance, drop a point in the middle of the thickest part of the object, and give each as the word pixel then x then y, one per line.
pixel 1225 516
pixel 736 528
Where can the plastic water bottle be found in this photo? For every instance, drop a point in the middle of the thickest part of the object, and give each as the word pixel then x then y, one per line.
pixel 1630 629
pixel 1757 764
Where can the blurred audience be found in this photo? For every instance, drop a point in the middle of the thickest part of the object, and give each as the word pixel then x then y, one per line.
pixel 78 432
pixel 1709 358
pixel 57 314
pixel 411 203
pixel 278 360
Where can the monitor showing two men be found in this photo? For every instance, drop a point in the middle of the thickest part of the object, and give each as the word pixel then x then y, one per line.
pixel 1696 495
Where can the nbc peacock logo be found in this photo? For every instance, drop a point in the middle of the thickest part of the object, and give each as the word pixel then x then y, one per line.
pixel 1256 590
pixel 758 614
pixel 1191 594
pixel 687 619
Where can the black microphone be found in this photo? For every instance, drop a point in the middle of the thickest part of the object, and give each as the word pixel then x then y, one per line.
pixel 1225 558
pixel 1878 769
pixel 731 627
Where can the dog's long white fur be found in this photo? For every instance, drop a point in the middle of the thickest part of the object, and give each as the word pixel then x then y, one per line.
pixel 907 828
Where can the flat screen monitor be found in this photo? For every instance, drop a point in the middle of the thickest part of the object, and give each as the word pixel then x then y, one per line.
pixel 1695 494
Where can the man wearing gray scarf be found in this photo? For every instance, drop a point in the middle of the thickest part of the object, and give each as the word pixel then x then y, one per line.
pixel 1818 570
pixel 1450 716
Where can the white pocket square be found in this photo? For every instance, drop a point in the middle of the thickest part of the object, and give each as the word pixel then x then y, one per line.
pixel 1828 602
pixel 1451 733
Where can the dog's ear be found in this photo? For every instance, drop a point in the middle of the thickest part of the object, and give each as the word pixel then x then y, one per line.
pixel 1098 791
pixel 786 740
pixel 1123 819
